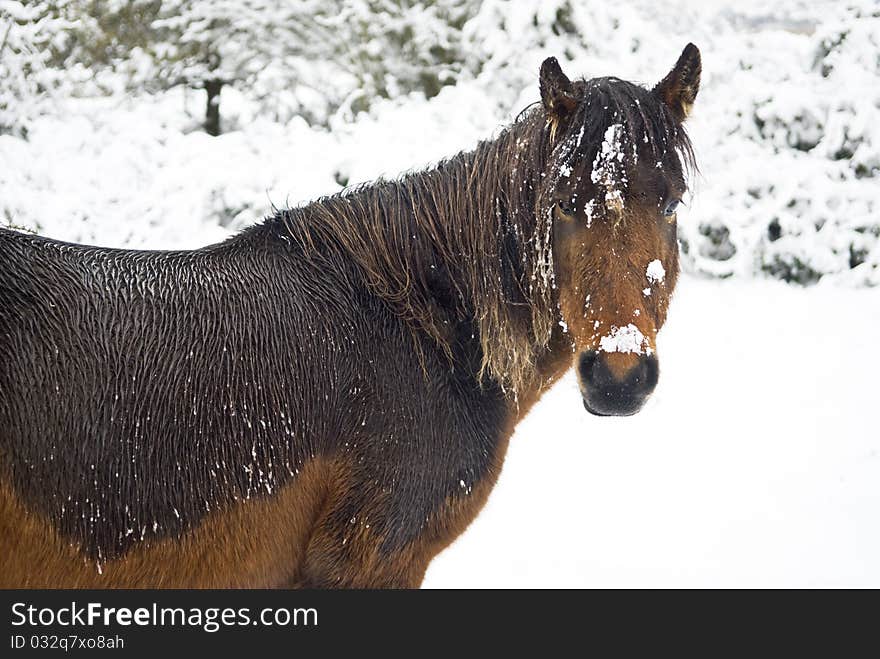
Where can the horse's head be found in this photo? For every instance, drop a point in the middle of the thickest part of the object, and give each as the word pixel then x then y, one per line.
pixel 618 169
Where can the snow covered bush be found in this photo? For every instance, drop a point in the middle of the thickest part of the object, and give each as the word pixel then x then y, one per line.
pixel 391 49
pixel 30 33
pixel 798 142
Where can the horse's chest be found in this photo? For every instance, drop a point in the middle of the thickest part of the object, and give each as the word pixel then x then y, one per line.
pixel 421 455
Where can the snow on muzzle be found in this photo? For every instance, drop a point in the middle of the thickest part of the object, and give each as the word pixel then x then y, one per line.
pixel 617 378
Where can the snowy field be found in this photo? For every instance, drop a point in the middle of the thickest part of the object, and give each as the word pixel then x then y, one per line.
pixel 755 464
pixel 757 461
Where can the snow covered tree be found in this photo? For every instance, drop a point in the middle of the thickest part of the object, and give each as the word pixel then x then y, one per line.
pixel 393 47
pixel 310 57
pixel 234 42
pixel 345 52
pixel 31 33
pixel 112 35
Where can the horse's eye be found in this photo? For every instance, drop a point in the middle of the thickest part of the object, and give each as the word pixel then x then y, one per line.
pixel 671 207
pixel 566 206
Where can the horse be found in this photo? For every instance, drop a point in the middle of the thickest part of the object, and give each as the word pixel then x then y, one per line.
pixel 325 399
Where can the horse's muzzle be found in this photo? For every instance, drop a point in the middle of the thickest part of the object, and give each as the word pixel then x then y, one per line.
pixel 609 392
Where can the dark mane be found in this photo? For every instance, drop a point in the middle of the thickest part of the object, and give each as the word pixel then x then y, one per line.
pixel 649 126
pixel 472 236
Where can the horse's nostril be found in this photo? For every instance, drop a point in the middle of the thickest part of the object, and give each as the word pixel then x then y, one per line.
pixel 587 362
pixel 608 391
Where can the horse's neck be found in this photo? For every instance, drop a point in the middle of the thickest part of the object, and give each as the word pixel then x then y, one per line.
pixel 453 244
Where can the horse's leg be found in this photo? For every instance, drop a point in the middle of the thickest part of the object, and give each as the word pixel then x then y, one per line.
pixel 361 567
pixel 345 549
pixel 348 548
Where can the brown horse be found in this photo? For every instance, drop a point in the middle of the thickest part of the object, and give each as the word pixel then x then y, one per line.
pixel 325 400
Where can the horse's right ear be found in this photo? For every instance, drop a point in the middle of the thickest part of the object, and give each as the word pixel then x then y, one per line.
pixel 557 92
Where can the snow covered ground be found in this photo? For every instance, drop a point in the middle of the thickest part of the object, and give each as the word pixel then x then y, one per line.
pixel 755 464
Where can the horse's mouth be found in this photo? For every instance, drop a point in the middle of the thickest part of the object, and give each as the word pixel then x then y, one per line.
pixel 596 412
pixel 591 410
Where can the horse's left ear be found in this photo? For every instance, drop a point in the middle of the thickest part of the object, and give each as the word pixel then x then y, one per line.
pixel 557 92
pixel 678 90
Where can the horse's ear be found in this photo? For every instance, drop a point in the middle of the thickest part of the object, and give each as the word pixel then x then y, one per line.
pixel 678 90
pixel 557 92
